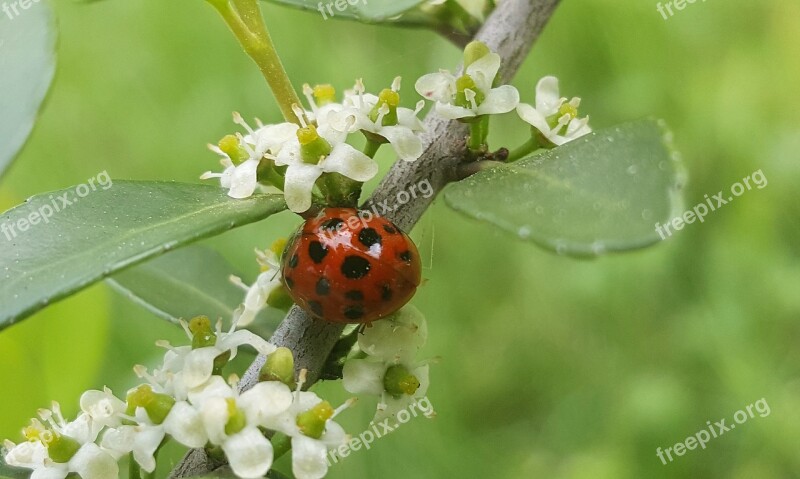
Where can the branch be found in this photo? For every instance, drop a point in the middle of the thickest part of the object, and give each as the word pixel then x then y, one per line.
pixel 510 31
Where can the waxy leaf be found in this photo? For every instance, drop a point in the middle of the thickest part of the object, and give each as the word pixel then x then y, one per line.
pixel 58 243
pixel 27 65
pixel 603 192
pixel 189 282
pixel 370 11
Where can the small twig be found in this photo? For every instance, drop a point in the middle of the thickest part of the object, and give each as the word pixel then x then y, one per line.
pixel 510 31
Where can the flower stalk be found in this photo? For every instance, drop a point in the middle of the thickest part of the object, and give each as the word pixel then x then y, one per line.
pixel 247 25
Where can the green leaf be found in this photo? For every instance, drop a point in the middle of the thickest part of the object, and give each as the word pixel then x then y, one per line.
pixel 186 283
pixel 370 11
pixel 27 65
pixel 104 232
pixel 603 192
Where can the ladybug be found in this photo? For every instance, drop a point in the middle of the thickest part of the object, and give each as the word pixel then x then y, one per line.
pixel 350 266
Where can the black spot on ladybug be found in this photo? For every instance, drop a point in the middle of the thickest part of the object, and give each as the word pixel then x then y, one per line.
pixel 354 295
pixel 355 267
pixel 386 292
pixel 294 260
pixel 315 307
pixel 390 229
pixel 317 251
pixel 369 237
pixel 289 282
pixel 332 224
pixel 323 287
pixel 354 312
pixel 406 256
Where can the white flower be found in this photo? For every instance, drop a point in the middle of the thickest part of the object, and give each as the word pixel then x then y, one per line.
pixel 472 94
pixel 256 296
pixel 103 407
pixel 59 448
pixel 554 116
pixel 366 112
pixel 241 179
pixel 198 364
pixel 309 450
pixel 232 422
pixel 389 371
pixel 338 157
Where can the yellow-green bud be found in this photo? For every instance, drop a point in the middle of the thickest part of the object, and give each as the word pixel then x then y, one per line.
pixel 202 333
pixel 399 381
pixel 324 94
pixel 279 367
pixel 312 146
pixel 156 405
pixel 236 418
pixel 60 448
pixel 391 99
pixel 312 422
pixel 474 51
pixel 465 82
pixel 230 146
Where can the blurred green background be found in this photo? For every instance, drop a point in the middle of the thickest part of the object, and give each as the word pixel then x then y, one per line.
pixel 550 367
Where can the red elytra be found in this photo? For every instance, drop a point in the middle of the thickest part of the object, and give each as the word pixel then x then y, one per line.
pixel 350 266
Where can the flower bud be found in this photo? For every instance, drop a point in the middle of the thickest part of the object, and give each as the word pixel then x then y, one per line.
pixel 279 367
pixel 398 381
pixel 312 422
pixel 474 51
pixel 202 333
pixel 312 146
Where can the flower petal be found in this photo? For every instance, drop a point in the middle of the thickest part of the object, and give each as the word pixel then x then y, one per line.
pixel 266 400
pixel 309 458
pixel 199 365
pixel 348 161
pixel 453 112
pixel 397 338
pixel 249 453
pixel 241 337
pixel 243 180
pixel 533 117
pixel 300 179
pixel 91 462
pixel 437 86
pixel 548 100
pixel 362 376
pixel 484 70
pixel 185 425
pixel 405 143
pixel 499 100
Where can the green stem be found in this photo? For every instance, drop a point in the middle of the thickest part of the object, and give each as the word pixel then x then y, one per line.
pixel 478 131
pixel 252 34
pixel 134 472
pixel 524 150
pixel 371 148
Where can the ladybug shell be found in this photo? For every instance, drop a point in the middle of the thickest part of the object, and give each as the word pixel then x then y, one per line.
pixel 350 266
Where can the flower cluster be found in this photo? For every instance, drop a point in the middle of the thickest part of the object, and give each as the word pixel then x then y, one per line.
pixel 390 369
pixel 187 400
pixel 299 159
pixel 312 161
